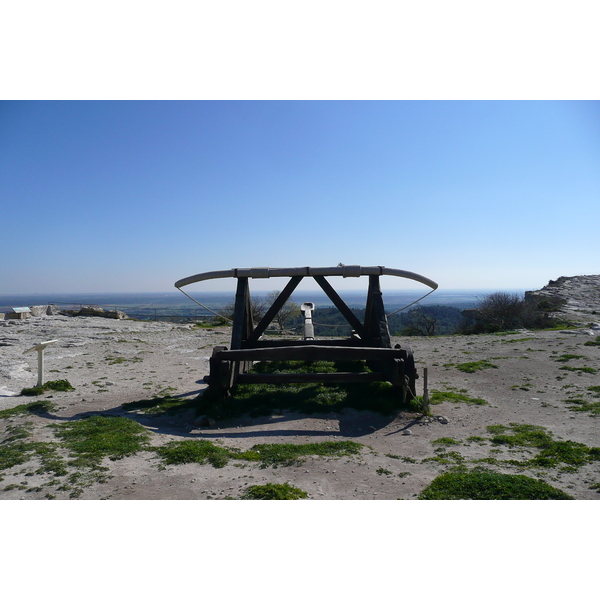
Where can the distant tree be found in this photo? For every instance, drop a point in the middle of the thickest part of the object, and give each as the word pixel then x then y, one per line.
pixel 420 323
pixel 288 310
pixel 502 310
pixel 257 310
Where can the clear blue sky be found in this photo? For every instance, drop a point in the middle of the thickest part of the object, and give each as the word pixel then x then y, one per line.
pixel 131 196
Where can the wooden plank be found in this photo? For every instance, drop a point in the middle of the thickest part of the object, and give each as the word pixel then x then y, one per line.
pixel 340 305
pixel 281 343
pixel 312 353
pixel 275 308
pixel 341 377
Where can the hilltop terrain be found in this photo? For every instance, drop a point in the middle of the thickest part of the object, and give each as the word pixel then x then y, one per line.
pixel 577 299
pixel 480 386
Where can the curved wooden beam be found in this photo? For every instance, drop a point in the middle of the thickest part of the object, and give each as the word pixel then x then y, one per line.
pixel 345 271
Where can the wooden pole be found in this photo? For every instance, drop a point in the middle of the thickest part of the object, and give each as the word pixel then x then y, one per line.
pixel 425 393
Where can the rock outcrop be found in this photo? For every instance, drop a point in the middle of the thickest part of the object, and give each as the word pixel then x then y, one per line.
pixel 96 311
pixel 575 299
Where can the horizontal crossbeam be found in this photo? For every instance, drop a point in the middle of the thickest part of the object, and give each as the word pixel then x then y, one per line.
pixel 341 377
pixel 310 353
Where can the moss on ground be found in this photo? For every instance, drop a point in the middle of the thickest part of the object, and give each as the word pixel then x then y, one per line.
pixel 487 485
pixel 274 491
pixel 268 455
pixel 59 385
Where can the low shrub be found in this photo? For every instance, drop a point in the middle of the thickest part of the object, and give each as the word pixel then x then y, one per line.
pixel 274 491
pixel 487 485
pixel 59 385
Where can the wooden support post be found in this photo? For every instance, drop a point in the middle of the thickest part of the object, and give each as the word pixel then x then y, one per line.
pixel 376 325
pixel 340 305
pixel 275 308
pixel 242 316
pixel 242 324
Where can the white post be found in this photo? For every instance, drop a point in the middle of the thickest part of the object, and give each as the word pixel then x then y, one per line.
pixel 40 350
pixel 309 331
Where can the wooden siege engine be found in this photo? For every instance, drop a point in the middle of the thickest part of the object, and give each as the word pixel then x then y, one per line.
pixel 370 340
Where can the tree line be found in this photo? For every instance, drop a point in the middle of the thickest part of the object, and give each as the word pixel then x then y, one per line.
pixel 498 311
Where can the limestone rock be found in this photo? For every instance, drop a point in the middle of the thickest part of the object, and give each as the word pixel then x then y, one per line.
pixel 96 311
pixel 575 299
pixel 38 311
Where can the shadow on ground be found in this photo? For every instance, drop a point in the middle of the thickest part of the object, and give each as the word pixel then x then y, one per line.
pixel 178 416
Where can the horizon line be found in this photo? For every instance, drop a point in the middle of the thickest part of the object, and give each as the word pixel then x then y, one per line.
pixel 406 290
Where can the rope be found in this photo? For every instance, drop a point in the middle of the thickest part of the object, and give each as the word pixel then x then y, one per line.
pixel 205 307
pixel 320 324
pixel 409 305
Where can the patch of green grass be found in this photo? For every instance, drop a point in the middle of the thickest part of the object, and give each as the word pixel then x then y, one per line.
pixel 382 471
pixel 268 455
pixel 552 453
pixel 16 449
pixel 287 454
pixel 579 369
pixel 51 461
pixel 274 491
pixel 472 367
pixel 486 485
pixel 446 458
pixel 580 404
pixel 160 405
pixel 38 390
pixel 59 385
pixel 42 406
pixel 92 439
pixel 14 454
pixel 525 339
pixel 446 441
pixel 595 342
pixel 437 397
pixel 567 357
pixel 262 398
pixel 195 451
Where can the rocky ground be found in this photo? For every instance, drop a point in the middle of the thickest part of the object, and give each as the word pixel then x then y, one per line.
pixel 110 362
pixel 579 295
